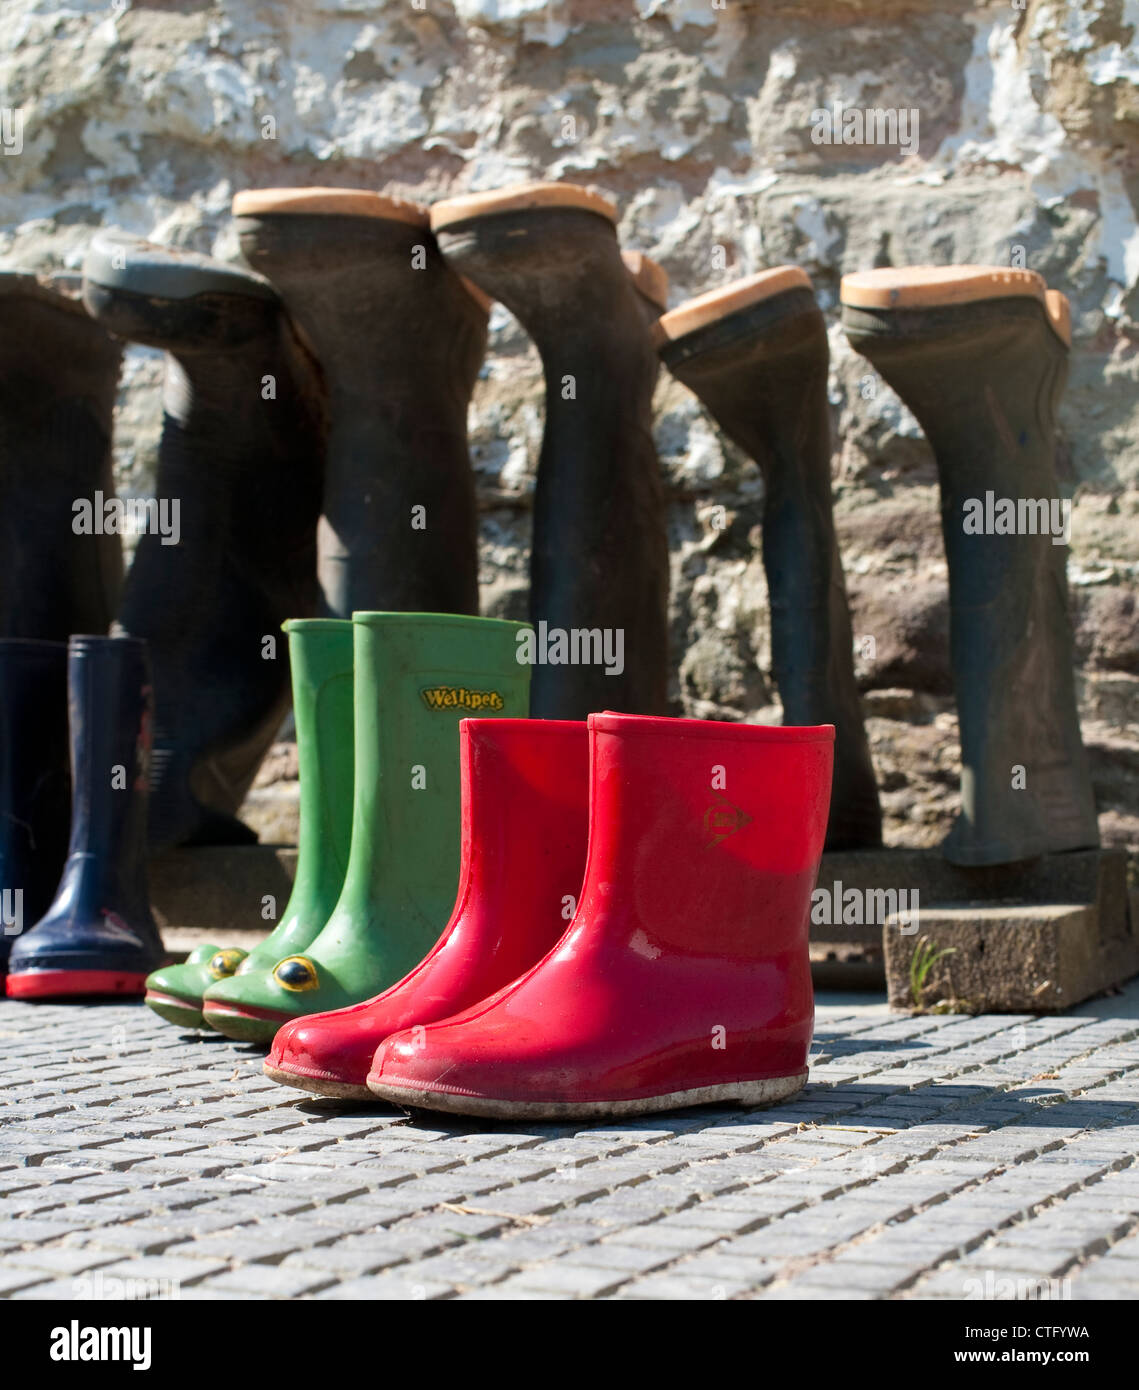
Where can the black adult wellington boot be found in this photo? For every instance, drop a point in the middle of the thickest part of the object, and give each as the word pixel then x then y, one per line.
pixel 599 557
pixel 98 936
pixel 59 372
pixel 230 550
pixel 401 340
pixel 980 355
pixel 756 354
pixel 35 782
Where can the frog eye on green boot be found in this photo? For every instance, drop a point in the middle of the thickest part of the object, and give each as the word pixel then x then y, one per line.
pixel 175 992
pixel 296 973
pixel 225 963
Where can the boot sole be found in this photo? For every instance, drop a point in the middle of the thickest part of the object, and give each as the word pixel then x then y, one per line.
pixel 135 266
pixel 67 984
pixel 181 1012
pixel 342 1090
pixel 752 1094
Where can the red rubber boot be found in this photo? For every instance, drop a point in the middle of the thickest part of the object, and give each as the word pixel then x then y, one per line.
pixel 525 800
pixel 684 977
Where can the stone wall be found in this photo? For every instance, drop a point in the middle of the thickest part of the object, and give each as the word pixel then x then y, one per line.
pixel 696 115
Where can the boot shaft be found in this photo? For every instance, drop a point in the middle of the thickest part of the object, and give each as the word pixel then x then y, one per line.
pixel 706 837
pixel 762 373
pixel 525 800
pixel 320 658
pixel 110 711
pixel 416 676
pixel 331 270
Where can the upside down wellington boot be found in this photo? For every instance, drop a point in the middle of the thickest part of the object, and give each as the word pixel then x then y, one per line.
pixel 755 353
pixel 684 976
pixel 980 355
pixel 35 782
pixel 525 797
pixel 59 372
pixel 320 658
pixel 599 557
pixel 416 676
pixel 98 936
pixel 401 340
pixel 240 458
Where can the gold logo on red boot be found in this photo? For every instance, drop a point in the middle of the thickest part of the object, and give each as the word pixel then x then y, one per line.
pixel 441 697
pixel 295 973
pixel 723 819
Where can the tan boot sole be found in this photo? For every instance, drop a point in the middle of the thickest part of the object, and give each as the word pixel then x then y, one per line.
pixel 729 299
pixel 752 1094
pixel 350 202
pixel 936 286
pixel 520 197
pixel 342 1090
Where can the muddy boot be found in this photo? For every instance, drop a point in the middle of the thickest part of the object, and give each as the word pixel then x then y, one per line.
pixel 59 372
pixel 401 341
pixel 98 936
pixel 756 354
pixel 229 549
pixel 599 558
pixel 35 782
pixel 980 355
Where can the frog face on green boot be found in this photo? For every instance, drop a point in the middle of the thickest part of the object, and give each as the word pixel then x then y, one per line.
pixel 250 1007
pixel 175 992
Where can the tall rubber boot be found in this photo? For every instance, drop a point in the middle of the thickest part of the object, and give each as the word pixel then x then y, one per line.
pixel 401 340
pixel 98 936
pixel 599 556
pixel 525 799
pixel 59 373
pixel 980 355
pixel 684 977
pixel 416 676
pixel 35 782
pixel 320 657
pixel 756 355
pixel 240 457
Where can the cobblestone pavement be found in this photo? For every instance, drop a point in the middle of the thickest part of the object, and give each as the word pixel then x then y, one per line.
pixel 934 1157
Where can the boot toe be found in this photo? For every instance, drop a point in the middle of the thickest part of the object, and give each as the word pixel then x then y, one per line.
pixel 249 1007
pixel 102 956
pixel 324 1052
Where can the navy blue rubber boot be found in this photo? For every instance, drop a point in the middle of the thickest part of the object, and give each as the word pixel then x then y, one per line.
pixel 99 937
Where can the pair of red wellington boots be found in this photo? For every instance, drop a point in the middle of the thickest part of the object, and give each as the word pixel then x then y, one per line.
pixel 681 853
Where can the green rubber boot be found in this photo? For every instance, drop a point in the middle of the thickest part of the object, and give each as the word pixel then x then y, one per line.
pixel 417 675
pixel 980 355
pixel 320 656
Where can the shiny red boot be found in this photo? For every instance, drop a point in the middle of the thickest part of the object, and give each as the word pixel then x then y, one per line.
pixel 684 977
pixel 525 813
